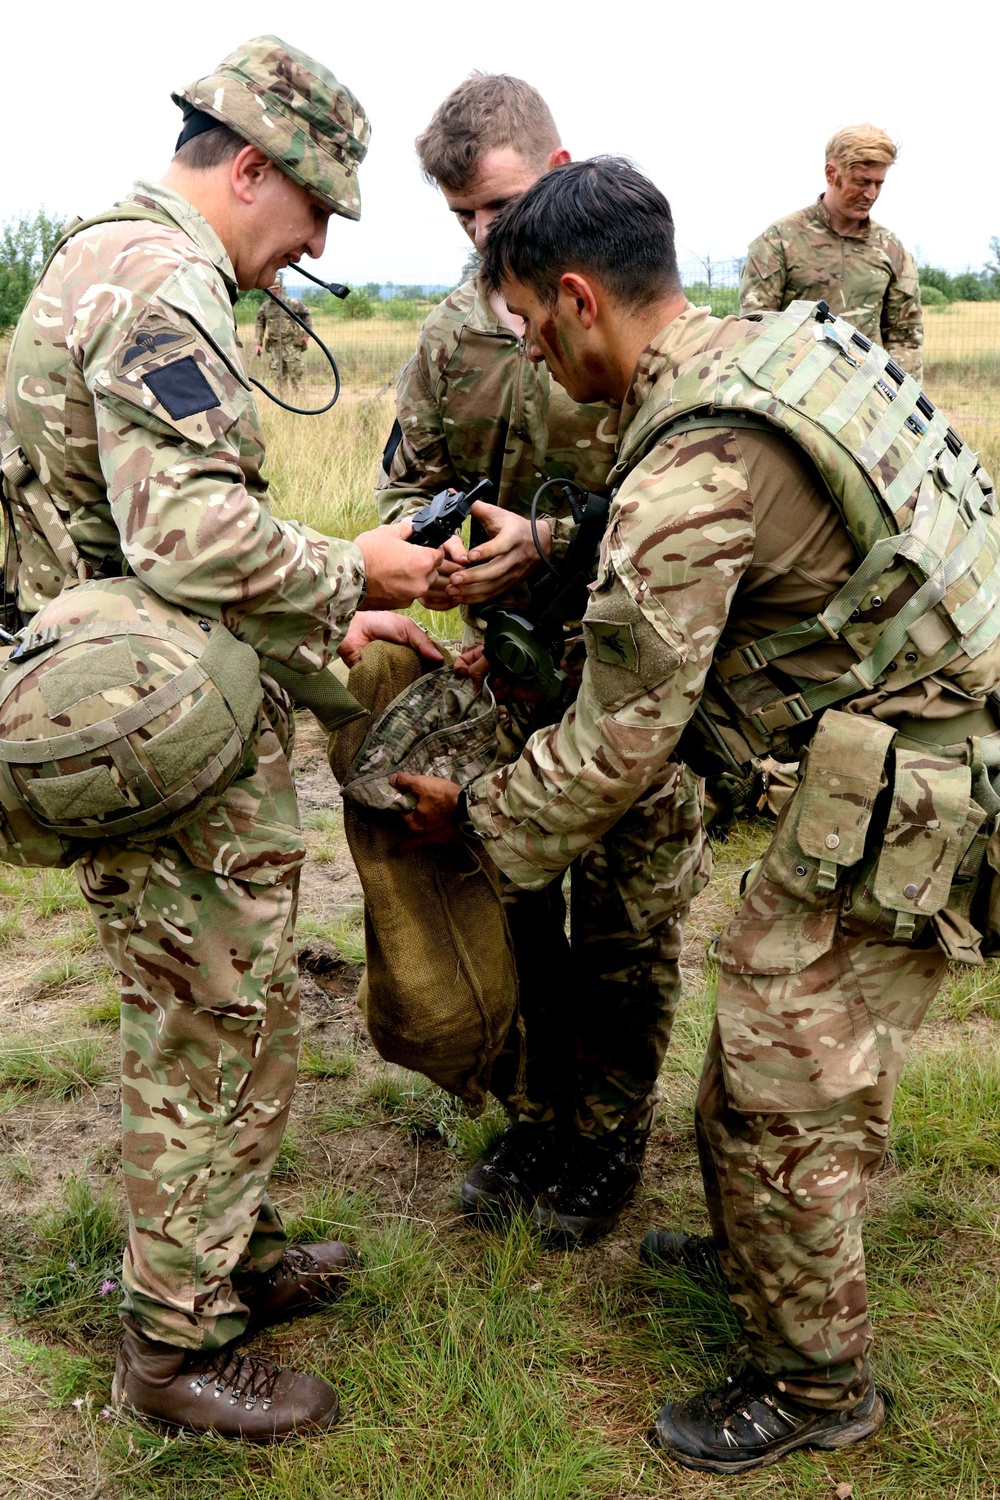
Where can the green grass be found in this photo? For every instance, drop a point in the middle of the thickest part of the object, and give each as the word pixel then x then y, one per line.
pixel 62 1270
pixel 57 1071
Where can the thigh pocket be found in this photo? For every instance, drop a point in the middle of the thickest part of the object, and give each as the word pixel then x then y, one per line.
pixel 795 1032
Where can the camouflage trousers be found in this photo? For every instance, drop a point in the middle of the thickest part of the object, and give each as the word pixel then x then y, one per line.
pixel 815 1015
pixel 597 1006
pixel 200 929
pixel 286 363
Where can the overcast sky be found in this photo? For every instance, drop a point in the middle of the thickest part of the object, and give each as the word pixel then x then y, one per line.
pixel 726 106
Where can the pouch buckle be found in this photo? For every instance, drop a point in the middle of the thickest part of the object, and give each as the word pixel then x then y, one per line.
pixel 782 715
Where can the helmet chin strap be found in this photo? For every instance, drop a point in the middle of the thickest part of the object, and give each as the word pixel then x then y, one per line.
pixel 336 289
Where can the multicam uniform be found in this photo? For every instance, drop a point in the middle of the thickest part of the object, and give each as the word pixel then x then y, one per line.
pixel 722 535
pixel 864 275
pixel 128 394
pixel 283 341
pixel 472 405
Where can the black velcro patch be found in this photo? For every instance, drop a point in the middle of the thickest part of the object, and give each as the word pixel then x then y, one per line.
pixel 181 388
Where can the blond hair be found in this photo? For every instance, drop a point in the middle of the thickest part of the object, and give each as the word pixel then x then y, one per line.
pixel 860 144
pixel 487 111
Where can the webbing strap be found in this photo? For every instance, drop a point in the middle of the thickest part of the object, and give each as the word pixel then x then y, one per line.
pixel 802 379
pixel 94 736
pixel 901 488
pixel 843 407
pixel 968 616
pixel 822 627
pixel 154 818
pixel 776 333
pixel 890 424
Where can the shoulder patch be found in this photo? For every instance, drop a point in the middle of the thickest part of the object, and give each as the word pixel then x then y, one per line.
pixel 614 643
pixel 181 388
pixel 152 339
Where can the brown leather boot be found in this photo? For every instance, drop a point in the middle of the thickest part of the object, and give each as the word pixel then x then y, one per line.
pixel 235 1395
pixel 305 1280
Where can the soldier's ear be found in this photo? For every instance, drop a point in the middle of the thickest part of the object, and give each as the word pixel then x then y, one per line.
pixel 248 172
pixel 831 174
pixel 581 295
pixel 559 157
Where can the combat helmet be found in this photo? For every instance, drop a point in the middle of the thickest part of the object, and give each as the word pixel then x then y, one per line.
pixel 119 714
pixel 293 109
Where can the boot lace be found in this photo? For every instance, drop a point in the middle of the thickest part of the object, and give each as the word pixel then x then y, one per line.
pixel 747 1395
pixel 246 1378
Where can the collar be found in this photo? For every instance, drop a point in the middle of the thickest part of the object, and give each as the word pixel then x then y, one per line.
pixel 482 318
pixel 822 217
pixel 194 225
pixel 680 340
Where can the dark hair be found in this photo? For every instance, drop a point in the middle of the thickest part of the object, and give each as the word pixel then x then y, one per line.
pixel 210 148
pixel 485 112
pixel 601 217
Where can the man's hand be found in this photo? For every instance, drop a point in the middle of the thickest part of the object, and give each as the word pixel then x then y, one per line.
pixel 396 572
pixel 382 625
pixel 454 557
pixel 498 565
pixel 435 818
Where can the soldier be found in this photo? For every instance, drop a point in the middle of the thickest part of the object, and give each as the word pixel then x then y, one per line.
pixel 597 1009
pixel 833 250
pixel 730 609
pixel 128 394
pixel 281 338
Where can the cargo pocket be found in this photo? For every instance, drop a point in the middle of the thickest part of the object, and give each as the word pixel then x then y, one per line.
pixel 822 829
pixel 795 1033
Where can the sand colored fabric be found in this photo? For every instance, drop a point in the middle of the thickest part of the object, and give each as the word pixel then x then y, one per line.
pixel 440 992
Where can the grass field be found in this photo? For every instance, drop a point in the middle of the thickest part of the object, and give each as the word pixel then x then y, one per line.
pixel 472 1367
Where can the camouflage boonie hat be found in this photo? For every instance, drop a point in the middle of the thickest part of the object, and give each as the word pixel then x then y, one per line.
pixel 281 100
pixel 441 725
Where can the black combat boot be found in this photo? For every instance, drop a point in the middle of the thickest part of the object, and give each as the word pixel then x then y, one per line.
pixel 695 1254
pixel 306 1279
pixel 749 1422
pixel 232 1394
pixel 509 1177
pixel 594 1179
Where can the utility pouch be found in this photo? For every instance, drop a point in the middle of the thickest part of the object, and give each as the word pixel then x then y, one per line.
pixel 928 829
pixel 824 826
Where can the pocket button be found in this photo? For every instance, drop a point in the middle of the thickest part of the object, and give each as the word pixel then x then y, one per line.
pixel 910 891
pixel 832 841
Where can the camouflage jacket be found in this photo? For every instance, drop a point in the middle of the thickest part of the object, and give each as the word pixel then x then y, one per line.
pixel 128 394
pixel 716 537
pixel 865 276
pixel 472 405
pixel 272 327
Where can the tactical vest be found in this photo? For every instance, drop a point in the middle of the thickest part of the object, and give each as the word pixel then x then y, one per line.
pixel 919 508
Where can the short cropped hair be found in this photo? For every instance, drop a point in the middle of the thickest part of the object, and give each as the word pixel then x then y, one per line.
pixel 486 112
pixel 600 217
pixel 858 145
pixel 210 148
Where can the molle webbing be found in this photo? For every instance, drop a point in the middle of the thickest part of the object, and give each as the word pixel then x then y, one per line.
pixel 913 496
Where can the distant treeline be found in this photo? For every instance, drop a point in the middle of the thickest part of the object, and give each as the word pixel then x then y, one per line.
pixel 27 242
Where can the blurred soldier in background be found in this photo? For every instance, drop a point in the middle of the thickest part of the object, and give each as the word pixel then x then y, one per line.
pixel 597 1009
pixel 142 422
pixel 833 250
pixel 281 338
